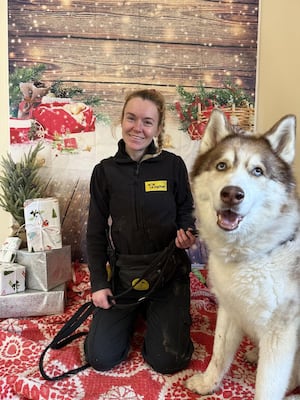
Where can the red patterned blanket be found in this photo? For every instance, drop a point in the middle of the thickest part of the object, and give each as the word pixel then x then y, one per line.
pixel 22 341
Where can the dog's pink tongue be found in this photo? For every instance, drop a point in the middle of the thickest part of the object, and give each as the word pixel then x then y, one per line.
pixel 228 220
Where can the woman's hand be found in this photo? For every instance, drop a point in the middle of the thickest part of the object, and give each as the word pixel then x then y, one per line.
pixel 184 239
pixel 100 298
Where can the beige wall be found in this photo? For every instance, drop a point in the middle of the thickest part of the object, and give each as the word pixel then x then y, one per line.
pixel 278 79
pixel 5 220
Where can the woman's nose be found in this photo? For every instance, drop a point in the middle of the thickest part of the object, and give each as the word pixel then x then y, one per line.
pixel 138 125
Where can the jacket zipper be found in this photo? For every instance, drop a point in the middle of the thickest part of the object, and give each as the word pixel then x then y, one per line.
pixel 136 196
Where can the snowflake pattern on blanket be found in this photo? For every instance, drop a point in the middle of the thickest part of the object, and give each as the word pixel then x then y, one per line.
pixel 22 341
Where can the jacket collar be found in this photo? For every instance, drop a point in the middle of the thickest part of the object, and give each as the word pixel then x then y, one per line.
pixel 121 154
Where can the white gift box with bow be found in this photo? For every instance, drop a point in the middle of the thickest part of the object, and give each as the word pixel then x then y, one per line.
pixel 42 224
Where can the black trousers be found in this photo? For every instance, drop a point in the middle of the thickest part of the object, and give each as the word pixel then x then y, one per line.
pixel 167 346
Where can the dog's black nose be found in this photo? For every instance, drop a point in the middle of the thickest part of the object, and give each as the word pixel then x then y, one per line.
pixel 232 195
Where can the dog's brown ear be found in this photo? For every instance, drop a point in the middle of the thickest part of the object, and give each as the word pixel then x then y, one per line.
pixel 282 138
pixel 217 128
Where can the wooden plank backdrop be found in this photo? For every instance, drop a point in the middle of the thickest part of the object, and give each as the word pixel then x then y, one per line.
pixel 110 47
pixel 72 192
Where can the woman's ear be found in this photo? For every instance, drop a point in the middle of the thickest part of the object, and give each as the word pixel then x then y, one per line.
pixel 159 131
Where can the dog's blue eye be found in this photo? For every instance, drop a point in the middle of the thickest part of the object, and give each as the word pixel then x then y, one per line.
pixel 221 166
pixel 257 171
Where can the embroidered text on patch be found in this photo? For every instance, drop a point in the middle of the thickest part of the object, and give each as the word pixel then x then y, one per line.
pixel 156 186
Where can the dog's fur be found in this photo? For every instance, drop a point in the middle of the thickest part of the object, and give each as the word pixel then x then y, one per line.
pixel 249 217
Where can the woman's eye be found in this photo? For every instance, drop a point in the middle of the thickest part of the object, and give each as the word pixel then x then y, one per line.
pixel 257 171
pixel 221 166
pixel 148 123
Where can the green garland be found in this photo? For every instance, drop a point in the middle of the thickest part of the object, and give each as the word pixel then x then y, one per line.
pixel 19 75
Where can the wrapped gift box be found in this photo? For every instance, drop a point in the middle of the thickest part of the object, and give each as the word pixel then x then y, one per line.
pixel 42 223
pixel 19 130
pixel 46 269
pixel 12 278
pixel 33 303
pixel 9 249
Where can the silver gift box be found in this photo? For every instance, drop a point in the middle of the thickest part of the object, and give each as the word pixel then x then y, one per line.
pixel 46 269
pixel 32 303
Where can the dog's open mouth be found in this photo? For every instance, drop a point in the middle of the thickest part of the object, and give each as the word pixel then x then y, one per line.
pixel 228 220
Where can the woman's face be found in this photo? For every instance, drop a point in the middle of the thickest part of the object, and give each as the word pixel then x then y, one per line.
pixel 139 126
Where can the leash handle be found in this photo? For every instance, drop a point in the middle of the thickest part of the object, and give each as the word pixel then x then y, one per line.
pixel 64 337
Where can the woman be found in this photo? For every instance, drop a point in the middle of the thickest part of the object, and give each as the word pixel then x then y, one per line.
pixel 144 192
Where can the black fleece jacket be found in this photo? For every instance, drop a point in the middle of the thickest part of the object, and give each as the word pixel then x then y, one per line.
pixel 145 202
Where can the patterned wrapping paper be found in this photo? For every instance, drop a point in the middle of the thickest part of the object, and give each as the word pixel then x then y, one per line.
pixel 12 279
pixel 33 303
pixel 42 223
pixel 9 248
pixel 46 269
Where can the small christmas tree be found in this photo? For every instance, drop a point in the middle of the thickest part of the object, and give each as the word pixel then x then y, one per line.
pixel 20 181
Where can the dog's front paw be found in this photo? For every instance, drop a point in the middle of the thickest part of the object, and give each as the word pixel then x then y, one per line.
pixel 201 384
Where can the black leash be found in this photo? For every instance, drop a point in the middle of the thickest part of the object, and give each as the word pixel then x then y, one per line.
pixel 65 337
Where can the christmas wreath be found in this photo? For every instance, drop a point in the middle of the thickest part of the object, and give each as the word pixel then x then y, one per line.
pixel 194 109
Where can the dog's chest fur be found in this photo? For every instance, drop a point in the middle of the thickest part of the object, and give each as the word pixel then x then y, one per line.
pixel 256 292
pixel 249 216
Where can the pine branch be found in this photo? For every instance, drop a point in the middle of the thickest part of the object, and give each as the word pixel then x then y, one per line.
pixel 23 75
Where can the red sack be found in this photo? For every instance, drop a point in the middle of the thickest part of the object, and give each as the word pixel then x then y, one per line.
pixel 63 118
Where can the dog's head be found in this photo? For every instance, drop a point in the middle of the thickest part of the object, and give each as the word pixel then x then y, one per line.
pixel 241 174
pixel 281 136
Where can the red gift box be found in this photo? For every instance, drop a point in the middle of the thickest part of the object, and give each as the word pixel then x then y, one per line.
pixel 70 143
pixel 19 130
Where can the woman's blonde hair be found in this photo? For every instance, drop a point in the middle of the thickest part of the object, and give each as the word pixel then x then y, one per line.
pixel 158 99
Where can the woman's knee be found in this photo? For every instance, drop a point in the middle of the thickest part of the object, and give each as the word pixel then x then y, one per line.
pixel 108 341
pixel 169 362
pixel 102 359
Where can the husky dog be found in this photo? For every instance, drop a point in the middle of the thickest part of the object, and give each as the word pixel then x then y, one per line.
pixel 249 217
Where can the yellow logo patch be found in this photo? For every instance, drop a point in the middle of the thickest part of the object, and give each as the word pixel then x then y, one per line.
pixel 156 186
pixel 140 284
